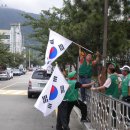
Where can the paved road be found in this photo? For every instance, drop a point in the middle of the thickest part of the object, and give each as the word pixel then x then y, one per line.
pixel 17 111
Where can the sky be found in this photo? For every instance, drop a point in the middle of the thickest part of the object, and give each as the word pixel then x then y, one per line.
pixel 32 6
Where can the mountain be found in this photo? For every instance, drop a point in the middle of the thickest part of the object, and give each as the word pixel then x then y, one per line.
pixel 9 16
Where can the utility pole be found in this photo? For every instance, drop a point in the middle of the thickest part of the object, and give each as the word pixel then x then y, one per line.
pixel 29 58
pixel 105 32
pixel 103 73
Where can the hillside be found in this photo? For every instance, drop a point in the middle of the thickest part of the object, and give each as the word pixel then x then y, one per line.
pixel 9 16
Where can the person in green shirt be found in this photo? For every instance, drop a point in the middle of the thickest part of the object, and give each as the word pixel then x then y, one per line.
pixel 125 86
pixel 85 70
pixel 71 99
pixel 111 87
pixel 125 90
pixel 111 84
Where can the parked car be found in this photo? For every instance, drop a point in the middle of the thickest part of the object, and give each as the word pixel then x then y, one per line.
pixel 17 72
pixel 4 75
pixel 23 71
pixel 37 82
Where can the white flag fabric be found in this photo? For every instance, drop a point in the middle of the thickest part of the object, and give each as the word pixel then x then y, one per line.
pixel 53 93
pixel 57 45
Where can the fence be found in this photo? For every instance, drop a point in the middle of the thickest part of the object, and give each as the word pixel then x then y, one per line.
pixel 107 113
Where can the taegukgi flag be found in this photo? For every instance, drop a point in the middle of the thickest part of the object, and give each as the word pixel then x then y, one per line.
pixel 57 45
pixel 53 93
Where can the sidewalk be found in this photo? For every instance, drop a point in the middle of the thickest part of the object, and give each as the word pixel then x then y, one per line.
pixel 75 123
pixel 85 126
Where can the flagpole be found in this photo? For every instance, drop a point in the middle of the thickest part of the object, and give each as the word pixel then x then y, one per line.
pixel 82 47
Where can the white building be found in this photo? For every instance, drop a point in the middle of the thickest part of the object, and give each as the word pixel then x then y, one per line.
pixel 5 37
pixel 13 38
pixel 16 39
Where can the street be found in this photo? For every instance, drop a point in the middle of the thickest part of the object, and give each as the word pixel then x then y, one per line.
pixel 17 112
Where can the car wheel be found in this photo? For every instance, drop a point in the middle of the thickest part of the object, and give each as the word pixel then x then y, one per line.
pixel 29 95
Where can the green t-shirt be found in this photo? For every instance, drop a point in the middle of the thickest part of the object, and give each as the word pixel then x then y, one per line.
pixel 113 88
pixel 72 93
pixel 129 75
pixel 125 85
pixel 85 69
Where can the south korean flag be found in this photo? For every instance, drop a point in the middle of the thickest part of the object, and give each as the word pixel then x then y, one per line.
pixel 53 93
pixel 57 44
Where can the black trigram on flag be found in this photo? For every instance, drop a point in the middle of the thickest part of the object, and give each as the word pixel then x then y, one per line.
pixel 61 47
pixel 45 99
pixel 50 105
pixel 62 89
pixel 54 79
pixel 52 41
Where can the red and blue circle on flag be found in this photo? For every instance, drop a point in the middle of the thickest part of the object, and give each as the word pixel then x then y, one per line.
pixel 53 93
pixel 53 53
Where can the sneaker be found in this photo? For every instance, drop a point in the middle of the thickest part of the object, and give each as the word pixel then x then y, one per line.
pixel 85 120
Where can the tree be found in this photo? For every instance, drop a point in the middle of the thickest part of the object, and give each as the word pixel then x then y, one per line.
pixel 82 22
pixel 3 53
pixel 7 58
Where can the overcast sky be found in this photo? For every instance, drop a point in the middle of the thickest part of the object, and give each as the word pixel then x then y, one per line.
pixel 33 6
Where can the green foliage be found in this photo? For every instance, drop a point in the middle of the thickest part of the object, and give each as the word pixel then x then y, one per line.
pixel 7 58
pixel 82 21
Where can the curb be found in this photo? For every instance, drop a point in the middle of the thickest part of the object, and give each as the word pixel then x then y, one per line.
pixel 86 126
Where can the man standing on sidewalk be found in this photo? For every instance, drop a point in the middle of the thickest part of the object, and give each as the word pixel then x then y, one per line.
pixel 71 100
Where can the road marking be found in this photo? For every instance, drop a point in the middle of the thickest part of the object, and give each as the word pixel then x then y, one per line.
pixel 13 92
pixel 11 85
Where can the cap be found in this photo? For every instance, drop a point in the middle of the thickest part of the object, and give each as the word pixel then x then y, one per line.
pixel 71 74
pixel 125 67
pixel 112 63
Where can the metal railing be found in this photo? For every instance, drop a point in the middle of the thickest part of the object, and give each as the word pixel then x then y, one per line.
pixel 107 113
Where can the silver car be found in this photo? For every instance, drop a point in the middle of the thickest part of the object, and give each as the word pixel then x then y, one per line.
pixel 37 82
pixel 4 75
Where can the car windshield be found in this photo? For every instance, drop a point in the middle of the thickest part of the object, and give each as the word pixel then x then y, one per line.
pixel 40 75
pixel 15 69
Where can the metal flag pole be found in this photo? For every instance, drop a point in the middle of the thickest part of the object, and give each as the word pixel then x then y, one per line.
pixel 83 47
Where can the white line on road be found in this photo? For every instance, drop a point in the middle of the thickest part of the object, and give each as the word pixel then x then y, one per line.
pixel 10 85
pixel 13 92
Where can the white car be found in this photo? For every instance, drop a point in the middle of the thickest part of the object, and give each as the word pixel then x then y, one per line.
pixel 17 72
pixel 37 82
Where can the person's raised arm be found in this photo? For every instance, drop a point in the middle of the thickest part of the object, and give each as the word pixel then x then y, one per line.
pixel 81 55
pixel 97 58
